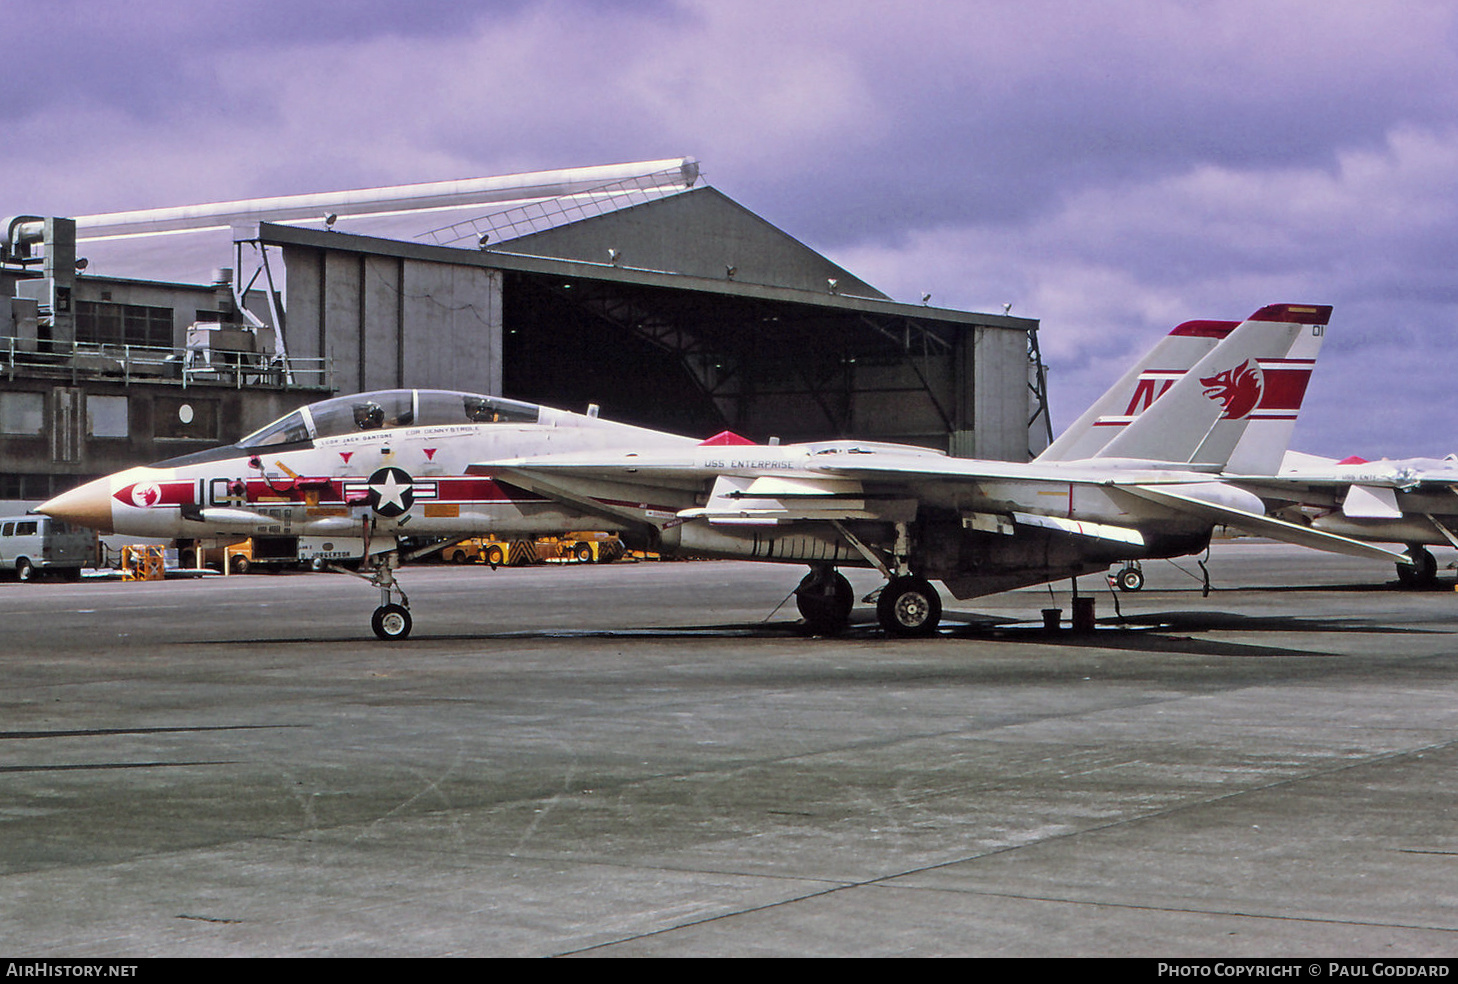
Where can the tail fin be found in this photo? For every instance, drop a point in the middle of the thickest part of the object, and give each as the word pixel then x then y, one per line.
pixel 1235 408
pixel 1144 383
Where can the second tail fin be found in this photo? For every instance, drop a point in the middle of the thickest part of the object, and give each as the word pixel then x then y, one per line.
pixel 1161 367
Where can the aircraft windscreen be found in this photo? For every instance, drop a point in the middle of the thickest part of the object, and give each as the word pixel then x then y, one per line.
pixel 388 409
pixel 286 430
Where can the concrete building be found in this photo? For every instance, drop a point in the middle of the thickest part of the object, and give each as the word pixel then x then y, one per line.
pixel 98 373
pixel 634 287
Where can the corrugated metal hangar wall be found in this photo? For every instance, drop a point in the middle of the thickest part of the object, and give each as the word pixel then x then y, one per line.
pixel 689 313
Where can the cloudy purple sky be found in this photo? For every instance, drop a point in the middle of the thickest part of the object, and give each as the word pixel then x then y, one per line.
pixel 1110 168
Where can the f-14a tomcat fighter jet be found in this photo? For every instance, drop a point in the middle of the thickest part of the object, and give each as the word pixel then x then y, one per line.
pixel 446 464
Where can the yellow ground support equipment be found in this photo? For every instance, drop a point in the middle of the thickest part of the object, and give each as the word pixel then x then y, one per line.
pixel 142 562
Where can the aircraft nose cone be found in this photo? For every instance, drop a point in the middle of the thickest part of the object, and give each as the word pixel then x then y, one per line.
pixel 85 505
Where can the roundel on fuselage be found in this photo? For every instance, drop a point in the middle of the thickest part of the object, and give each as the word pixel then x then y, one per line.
pixel 391 492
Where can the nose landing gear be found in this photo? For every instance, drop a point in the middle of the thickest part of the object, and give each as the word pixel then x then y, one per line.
pixel 391 620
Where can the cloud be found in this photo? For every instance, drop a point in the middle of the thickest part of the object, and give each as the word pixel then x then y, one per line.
pixel 1113 267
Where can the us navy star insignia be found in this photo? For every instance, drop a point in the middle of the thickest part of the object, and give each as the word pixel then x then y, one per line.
pixel 392 491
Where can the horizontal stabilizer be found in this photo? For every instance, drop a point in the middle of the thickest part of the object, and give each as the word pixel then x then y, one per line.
pixel 1262 525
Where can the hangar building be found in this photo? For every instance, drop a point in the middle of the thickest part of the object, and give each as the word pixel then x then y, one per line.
pixel 633 287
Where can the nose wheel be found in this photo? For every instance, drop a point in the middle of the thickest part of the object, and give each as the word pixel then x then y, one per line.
pixel 391 622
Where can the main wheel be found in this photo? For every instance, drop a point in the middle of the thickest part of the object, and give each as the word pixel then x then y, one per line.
pixel 909 606
pixel 391 622
pixel 1422 573
pixel 825 599
pixel 1129 579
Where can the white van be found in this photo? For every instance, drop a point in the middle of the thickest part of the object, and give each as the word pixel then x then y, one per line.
pixel 34 544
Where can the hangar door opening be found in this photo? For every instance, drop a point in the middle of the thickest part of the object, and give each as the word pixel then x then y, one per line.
pixel 699 362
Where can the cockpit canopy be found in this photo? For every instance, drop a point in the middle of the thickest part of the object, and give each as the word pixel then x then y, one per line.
pixel 387 409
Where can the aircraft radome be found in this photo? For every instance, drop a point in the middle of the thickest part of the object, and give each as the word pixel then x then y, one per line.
pixel 431 463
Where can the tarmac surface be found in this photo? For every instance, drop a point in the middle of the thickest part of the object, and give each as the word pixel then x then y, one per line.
pixel 649 759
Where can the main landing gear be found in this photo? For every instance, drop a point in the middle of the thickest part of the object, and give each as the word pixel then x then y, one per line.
pixel 1422 572
pixel 909 606
pixel 391 621
pixel 825 598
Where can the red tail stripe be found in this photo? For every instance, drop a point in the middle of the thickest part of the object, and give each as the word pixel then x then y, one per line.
pixel 1284 387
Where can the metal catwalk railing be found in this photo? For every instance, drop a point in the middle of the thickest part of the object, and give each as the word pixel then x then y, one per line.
pixel 79 361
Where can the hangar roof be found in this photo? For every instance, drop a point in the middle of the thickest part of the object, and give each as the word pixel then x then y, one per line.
pixel 701 233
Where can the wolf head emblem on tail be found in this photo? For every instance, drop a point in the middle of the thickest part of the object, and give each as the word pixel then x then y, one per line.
pixel 1238 390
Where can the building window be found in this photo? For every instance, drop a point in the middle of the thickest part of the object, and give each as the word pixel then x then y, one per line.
pixel 103 323
pixel 22 413
pixel 32 486
pixel 106 416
